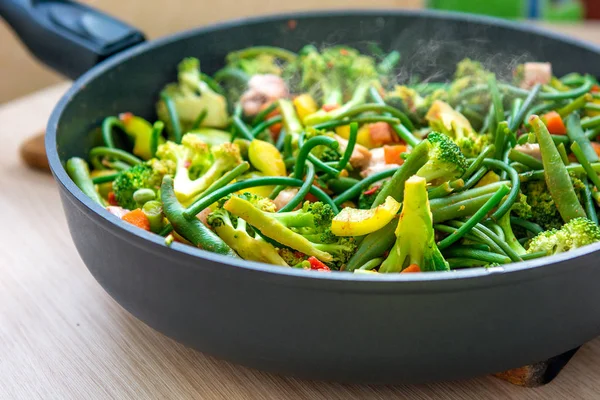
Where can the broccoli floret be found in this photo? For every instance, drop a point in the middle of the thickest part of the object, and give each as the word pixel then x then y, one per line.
pixel 141 176
pixel 446 162
pixel 192 96
pixel 522 208
pixel 304 230
pixel 470 68
pixel 197 165
pixel 443 118
pixel 469 73
pixel 249 245
pixel 576 233
pixel 415 236
pixel 543 209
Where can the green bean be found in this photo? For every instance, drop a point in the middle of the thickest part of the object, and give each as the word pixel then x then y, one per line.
pixel 166 230
pixel 573 168
pixel 576 134
pixel 262 115
pixel 525 159
pixel 355 190
pixel 573 79
pixel 173 116
pixel 475 218
pixel 587 167
pixel 304 189
pixel 485 256
pixel 242 128
pixel 448 229
pixel 154 212
pixel 157 129
pixel 358 120
pixel 371 264
pixel 590 123
pixel 557 177
pixel 458 263
pixel 476 163
pixel 120 155
pixel 416 159
pixel 487 122
pixel 514 190
pixel 107 130
pixel 350 146
pixel 516 107
pixel 144 195
pixel 226 179
pixel 592 107
pixel 496 99
pixel 562 150
pixel 442 190
pixel 500 139
pixel 254 51
pixel 199 119
pixel 530 226
pixel 265 125
pixel 532 256
pixel 590 206
pixel 496 229
pixel 380 108
pixel 400 129
pixel 212 83
pixel 531 96
pixel 280 144
pixel 473 115
pixel 575 105
pixel 472 181
pixel 374 245
pixel 104 178
pixel 558 139
pixel 467 195
pixel 482 237
pixel 78 170
pixel 539 109
pixel 319 165
pixel 204 202
pixel 501 243
pixel 386 66
pixel 307 147
pixel 341 184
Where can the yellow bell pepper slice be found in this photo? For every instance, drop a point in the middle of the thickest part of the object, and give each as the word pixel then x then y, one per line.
pixel 140 131
pixel 355 222
pixel 266 158
pixel 305 105
pixel 364 137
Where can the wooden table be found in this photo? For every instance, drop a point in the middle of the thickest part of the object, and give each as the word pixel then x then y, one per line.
pixel 63 337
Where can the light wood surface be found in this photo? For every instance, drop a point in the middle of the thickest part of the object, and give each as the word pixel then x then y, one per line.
pixel 63 337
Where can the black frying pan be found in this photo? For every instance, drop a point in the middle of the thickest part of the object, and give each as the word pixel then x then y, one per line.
pixel 338 326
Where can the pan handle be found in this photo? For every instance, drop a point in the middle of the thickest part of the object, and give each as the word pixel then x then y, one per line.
pixel 68 37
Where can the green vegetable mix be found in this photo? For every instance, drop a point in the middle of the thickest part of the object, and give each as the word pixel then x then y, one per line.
pixel 257 161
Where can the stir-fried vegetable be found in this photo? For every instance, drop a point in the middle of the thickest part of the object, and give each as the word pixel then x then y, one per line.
pixel 325 160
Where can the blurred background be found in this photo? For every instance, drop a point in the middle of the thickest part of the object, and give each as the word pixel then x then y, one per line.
pixel 22 74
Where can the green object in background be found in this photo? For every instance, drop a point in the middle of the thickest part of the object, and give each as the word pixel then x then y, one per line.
pixel 549 10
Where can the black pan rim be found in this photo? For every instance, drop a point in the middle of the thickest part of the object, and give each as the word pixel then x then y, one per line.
pixel 63 179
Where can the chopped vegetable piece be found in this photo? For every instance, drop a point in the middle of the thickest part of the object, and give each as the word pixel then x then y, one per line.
pixel 356 222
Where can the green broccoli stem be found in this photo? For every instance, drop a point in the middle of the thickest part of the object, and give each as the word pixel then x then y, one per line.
pixel 514 191
pixel 509 236
pixel 78 170
pixel 525 159
pixel 590 205
pixel 480 255
pixel 416 159
pixel 305 150
pixel 577 135
pixel 356 189
pixel 400 129
pixel 242 128
pixel 173 117
pixel 556 174
pixel 476 218
pixel 575 105
pixel 107 130
pixel 273 229
pixel 201 204
pixel 153 210
pixel 304 189
pixel 520 116
pixel 193 230
pixel 262 115
pixel 254 51
pixel 358 120
pixel 100 152
pixel 265 125
pixel 350 147
pixel 530 226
